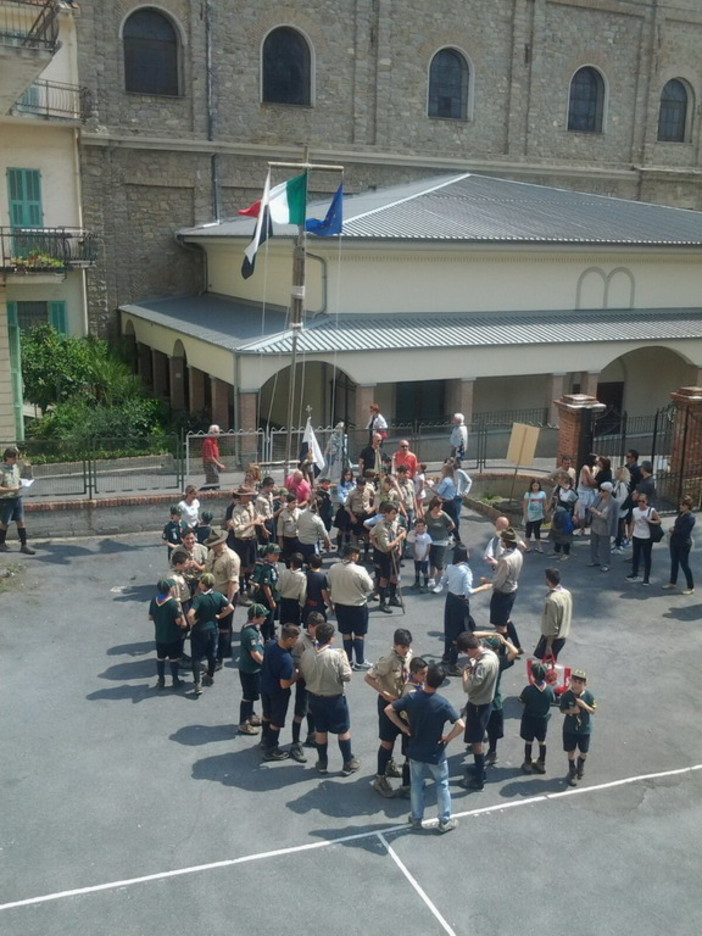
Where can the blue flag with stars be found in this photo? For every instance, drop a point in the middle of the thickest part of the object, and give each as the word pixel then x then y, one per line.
pixel 334 219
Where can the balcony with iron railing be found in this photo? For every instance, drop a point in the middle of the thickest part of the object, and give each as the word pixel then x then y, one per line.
pixel 30 24
pixel 54 100
pixel 46 250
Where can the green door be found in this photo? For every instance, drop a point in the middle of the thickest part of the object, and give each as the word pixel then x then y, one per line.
pixel 24 198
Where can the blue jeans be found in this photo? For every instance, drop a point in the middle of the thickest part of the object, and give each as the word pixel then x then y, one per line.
pixel 419 771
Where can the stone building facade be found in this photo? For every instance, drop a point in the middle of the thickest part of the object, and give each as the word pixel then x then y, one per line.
pixel 153 163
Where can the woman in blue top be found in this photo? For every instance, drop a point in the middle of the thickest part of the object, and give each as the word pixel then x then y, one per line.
pixel 680 544
pixel 448 492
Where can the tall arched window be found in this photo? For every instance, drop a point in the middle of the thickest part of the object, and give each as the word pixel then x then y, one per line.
pixel 448 85
pixel 586 104
pixel 672 117
pixel 150 53
pixel 287 70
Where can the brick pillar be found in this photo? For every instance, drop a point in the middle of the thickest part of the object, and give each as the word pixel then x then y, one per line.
pixel 686 456
pixel 221 396
pixel 159 372
pixel 574 419
pixel 176 367
pixel 459 397
pixel 555 389
pixel 196 403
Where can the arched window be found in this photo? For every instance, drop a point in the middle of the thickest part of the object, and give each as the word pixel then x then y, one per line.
pixel 672 117
pixel 586 105
pixel 286 68
pixel 448 85
pixel 150 53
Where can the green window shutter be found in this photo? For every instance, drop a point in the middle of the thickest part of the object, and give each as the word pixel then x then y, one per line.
pixel 13 333
pixel 58 317
pixel 24 196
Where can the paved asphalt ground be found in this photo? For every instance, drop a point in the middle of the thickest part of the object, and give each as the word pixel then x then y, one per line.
pixel 126 811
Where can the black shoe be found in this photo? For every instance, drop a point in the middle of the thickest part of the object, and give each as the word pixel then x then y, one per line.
pixel 4 547
pixel 395 602
pixel 476 783
pixel 384 608
pixel 177 683
pixel 27 550
pixel 161 683
pixel 310 741
pixel 275 754
pixel 218 665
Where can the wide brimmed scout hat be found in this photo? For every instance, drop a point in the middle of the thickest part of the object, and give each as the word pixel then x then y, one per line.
pixel 244 491
pixel 508 535
pixel 215 538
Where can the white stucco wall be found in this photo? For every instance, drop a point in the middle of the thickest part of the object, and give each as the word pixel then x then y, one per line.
pixel 466 278
pixel 50 149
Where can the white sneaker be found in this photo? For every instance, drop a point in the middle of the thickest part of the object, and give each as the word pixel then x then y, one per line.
pixel 437 589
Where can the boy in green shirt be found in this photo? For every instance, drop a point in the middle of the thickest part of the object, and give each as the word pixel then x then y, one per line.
pixel 250 661
pixel 209 607
pixel 166 613
pixel 577 704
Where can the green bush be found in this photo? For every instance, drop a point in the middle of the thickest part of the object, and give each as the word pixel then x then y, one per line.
pixel 77 422
pixel 90 399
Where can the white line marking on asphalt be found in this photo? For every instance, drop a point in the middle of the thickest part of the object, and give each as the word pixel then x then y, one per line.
pixel 293 849
pixel 416 885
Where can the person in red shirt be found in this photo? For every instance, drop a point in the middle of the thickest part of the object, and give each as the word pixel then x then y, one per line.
pixel 210 458
pixel 296 484
pixel 403 456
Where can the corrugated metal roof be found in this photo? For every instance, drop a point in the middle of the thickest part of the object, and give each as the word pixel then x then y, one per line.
pixel 219 320
pixel 394 331
pixel 480 209
pixel 241 326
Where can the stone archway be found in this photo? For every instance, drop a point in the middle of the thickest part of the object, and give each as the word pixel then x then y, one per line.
pixel 329 391
pixel 642 380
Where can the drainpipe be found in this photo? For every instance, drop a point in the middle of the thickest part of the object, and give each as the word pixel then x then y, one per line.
pixel 214 162
pixel 79 197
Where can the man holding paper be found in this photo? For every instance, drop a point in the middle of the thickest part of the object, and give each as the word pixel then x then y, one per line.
pixel 11 487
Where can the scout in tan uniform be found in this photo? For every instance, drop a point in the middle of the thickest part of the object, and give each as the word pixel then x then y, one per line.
pixel 225 566
pixel 388 677
pixel 243 524
pixel 359 506
pixel 325 672
pixel 388 537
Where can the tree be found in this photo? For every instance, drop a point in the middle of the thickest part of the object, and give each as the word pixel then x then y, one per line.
pixel 54 367
pixel 89 391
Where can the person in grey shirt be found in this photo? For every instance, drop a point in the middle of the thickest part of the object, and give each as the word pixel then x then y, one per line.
pixel 479 683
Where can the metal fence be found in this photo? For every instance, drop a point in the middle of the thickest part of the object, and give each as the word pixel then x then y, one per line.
pixel 30 24
pixel 104 467
pixel 49 99
pixel 70 470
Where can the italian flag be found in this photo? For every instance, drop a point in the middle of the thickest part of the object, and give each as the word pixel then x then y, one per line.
pixel 285 204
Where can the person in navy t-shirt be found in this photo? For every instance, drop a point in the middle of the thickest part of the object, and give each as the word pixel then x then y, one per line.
pixel 428 713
